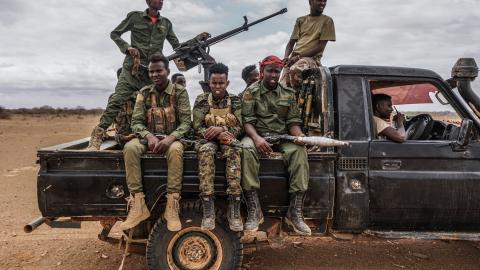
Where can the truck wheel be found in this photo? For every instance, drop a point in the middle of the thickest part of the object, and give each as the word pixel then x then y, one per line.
pixel 193 248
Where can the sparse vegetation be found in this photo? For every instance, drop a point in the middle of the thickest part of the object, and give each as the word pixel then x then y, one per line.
pixel 4 113
pixel 47 110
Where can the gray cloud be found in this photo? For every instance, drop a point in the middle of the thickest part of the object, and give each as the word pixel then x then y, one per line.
pixel 66 48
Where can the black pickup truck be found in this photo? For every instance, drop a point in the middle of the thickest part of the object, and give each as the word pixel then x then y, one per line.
pixel 430 183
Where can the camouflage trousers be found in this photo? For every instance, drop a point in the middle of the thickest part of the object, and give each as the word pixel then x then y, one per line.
pixel 126 86
pixel 206 168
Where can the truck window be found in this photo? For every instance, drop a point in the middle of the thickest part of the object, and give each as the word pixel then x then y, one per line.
pixel 429 116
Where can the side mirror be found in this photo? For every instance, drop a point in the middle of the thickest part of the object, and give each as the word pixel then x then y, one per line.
pixel 464 133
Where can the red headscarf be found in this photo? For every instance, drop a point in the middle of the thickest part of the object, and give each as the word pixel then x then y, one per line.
pixel 270 60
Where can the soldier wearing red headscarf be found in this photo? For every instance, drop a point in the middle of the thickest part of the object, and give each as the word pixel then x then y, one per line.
pixel 270 108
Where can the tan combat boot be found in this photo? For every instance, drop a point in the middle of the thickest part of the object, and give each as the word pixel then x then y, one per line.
pixel 96 139
pixel 171 212
pixel 138 211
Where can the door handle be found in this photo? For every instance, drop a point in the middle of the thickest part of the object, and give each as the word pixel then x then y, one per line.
pixel 391 165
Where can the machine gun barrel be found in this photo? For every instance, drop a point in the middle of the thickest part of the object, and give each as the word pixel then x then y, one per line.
pixel 240 29
pixel 185 47
pixel 312 140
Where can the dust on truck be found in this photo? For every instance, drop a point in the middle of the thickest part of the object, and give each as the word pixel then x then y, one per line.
pixel 428 186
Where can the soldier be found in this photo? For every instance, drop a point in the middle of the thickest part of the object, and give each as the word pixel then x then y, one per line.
pixel 269 107
pixel 149 31
pixel 180 79
pixel 250 74
pixel 216 118
pixel 160 108
pixel 309 37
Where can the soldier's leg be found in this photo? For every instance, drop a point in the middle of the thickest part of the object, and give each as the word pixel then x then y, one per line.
pixel 251 183
pixel 296 160
pixel 233 172
pixel 132 152
pixel 126 85
pixel 138 211
pixel 206 174
pixel 250 165
pixel 174 185
pixel 206 167
pixel 175 167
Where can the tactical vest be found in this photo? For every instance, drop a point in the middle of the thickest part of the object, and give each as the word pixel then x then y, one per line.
pixel 220 117
pixel 162 120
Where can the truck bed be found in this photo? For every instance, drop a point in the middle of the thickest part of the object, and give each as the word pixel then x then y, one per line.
pixel 76 183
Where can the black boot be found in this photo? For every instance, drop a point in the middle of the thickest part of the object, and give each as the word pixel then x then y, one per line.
pixel 294 216
pixel 234 217
pixel 255 215
pixel 208 220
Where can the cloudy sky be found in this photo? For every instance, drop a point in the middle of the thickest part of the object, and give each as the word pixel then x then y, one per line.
pixel 59 53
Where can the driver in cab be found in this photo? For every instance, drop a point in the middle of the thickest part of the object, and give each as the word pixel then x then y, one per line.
pixel 382 109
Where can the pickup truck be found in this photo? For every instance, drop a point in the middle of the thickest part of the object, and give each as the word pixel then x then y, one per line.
pixel 429 184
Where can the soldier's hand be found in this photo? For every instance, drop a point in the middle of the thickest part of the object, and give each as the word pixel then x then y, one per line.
pixel 203 36
pixel 133 52
pixel 152 141
pixel 399 118
pixel 262 145
pixel 213 132
pixel 226 138
pixel 164 144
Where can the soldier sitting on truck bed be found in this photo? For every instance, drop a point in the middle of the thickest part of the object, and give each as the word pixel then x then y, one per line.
pixel 160 108
pixel 309 37
pixel 269 107
pixel 216 118
pixel 382 109
pixel 179 78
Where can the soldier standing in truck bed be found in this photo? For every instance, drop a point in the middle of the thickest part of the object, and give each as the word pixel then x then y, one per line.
pixel 160 108
pixel 149 31
pixel 269 107
pixel 216 118
pixel 309 37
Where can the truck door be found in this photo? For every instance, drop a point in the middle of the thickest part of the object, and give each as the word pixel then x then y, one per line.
pixel 424 183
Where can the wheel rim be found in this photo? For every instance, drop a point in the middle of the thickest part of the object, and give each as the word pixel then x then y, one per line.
pixel 194 249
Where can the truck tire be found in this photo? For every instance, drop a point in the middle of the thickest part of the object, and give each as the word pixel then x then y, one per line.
pixel 192 247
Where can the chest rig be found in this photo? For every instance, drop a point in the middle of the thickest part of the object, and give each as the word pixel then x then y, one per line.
pixel 220 117
pixel 162 120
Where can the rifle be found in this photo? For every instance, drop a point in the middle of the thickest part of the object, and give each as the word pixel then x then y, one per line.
pixel 233 143
pixel 197 52
pixel 311 141
pixel 162 136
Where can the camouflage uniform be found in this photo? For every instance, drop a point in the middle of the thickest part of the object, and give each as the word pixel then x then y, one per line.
pixel 148 38
pixel 206 151
pixel 140 126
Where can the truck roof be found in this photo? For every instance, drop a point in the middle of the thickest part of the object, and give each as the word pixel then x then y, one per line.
pixel 383 71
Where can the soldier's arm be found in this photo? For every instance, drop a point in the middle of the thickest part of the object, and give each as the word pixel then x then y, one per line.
pixel 293 39
pixel 184 115
pixel 116 34
pixel 199 117
pixel 139 118
pixel 293 117
pixel 237 111
pixel 172 38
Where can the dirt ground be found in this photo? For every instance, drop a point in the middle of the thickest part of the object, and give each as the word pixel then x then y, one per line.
pixel 48 248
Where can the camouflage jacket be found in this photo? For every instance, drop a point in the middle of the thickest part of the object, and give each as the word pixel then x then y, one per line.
pixel 201 109
pixel 143 104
